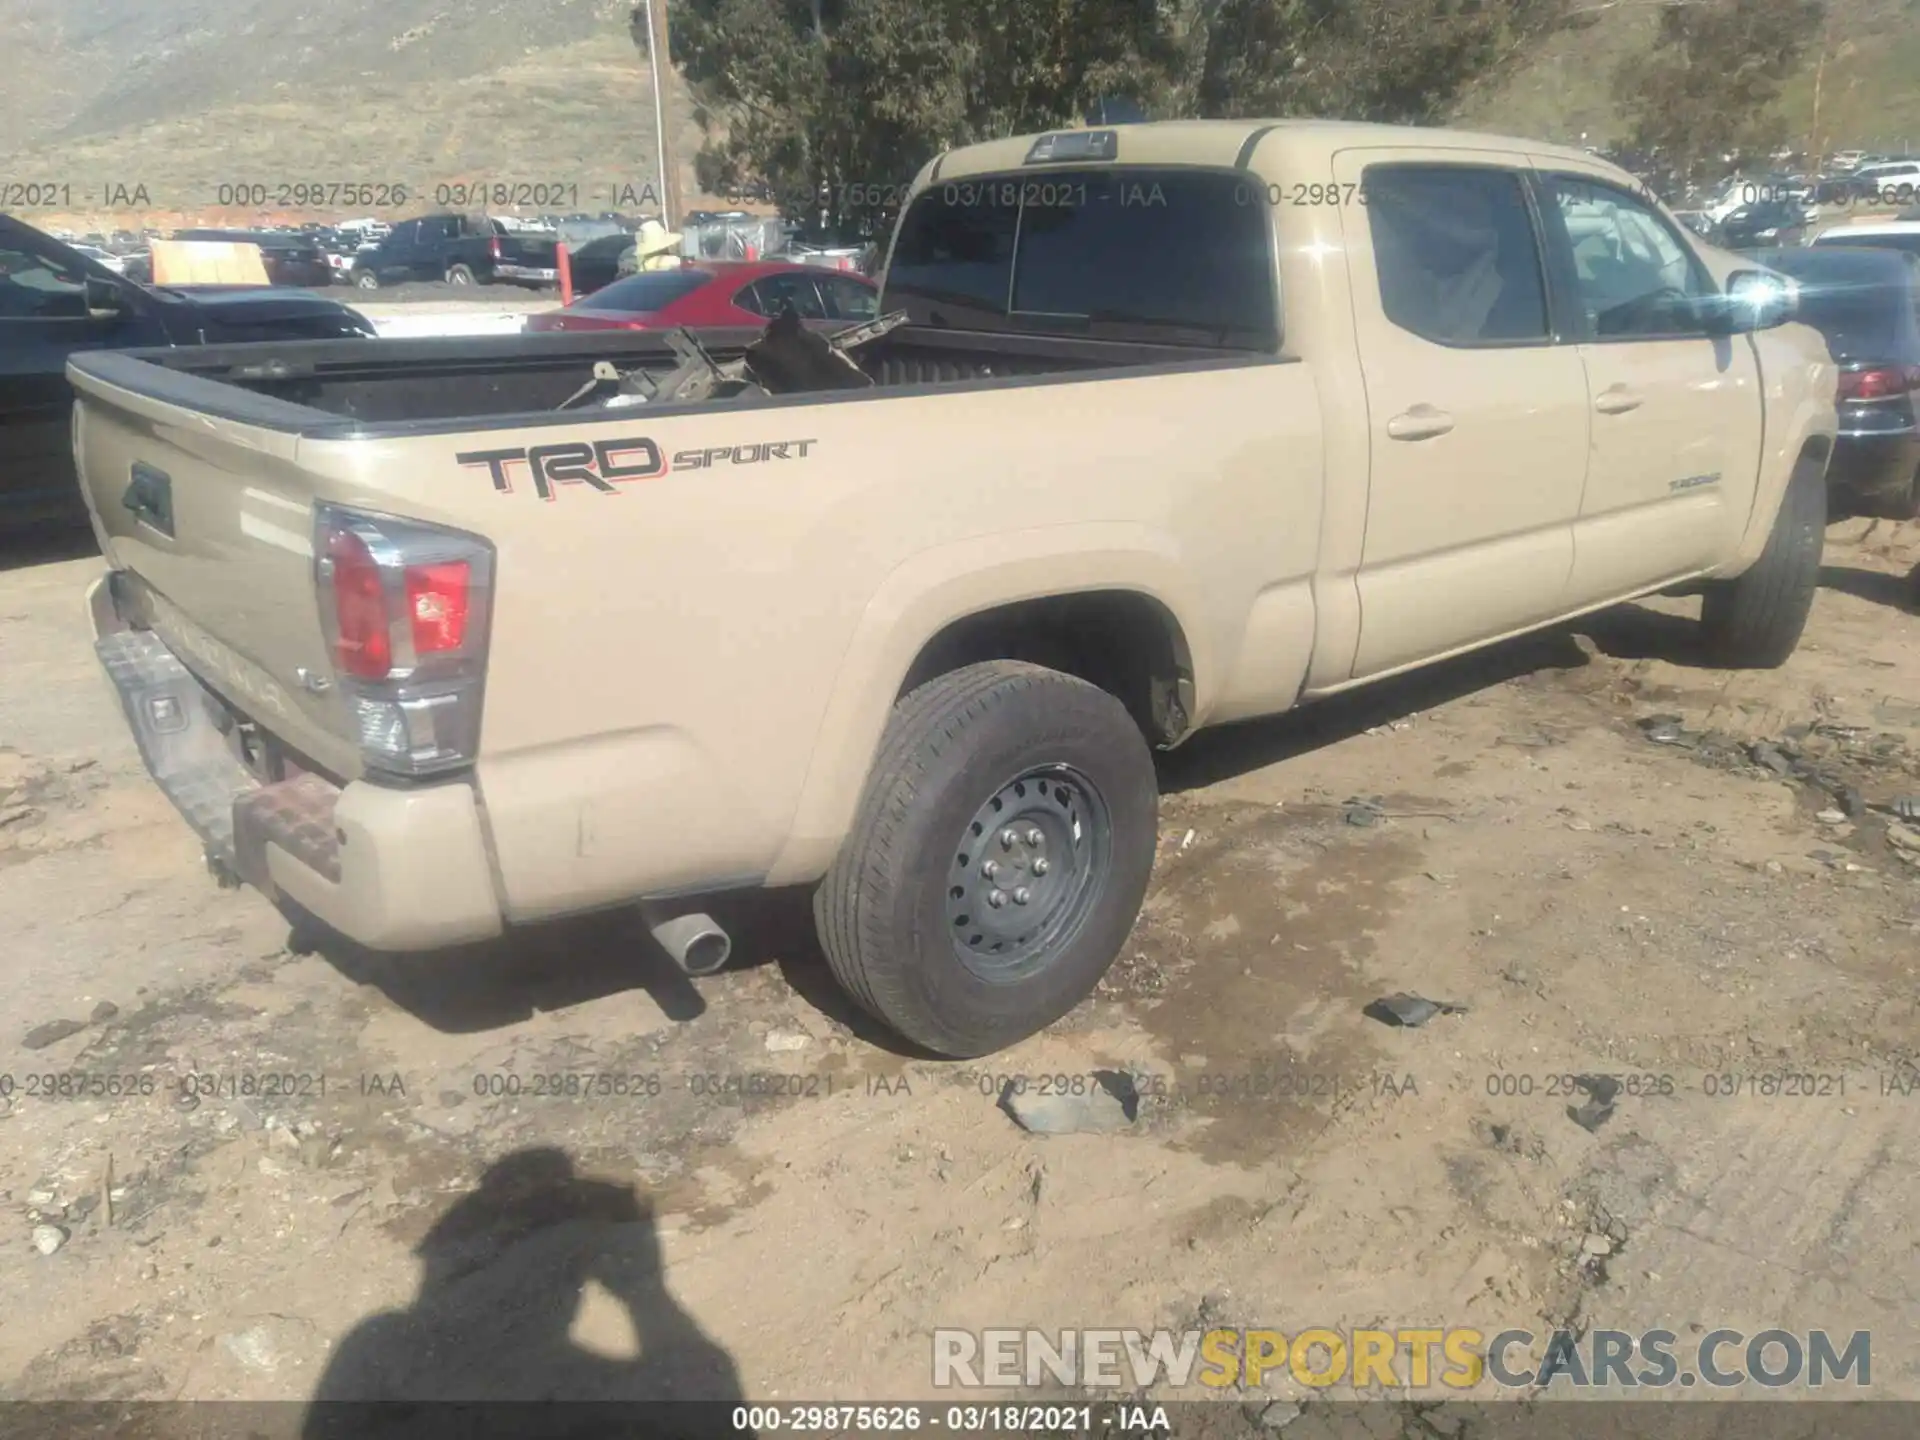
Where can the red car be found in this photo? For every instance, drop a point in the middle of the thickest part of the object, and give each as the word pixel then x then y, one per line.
pixel 717 293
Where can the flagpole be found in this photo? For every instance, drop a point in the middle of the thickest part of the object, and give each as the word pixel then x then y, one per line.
pixel 656 30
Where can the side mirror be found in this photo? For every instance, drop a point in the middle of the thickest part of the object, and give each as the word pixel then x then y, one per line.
pixel 1754 300
pixel 104 298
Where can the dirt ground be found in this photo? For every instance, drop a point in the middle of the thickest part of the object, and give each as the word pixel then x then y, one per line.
pixel 294 1165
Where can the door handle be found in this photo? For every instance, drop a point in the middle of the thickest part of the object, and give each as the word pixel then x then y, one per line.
pixel 1422 422
pixel 1617 400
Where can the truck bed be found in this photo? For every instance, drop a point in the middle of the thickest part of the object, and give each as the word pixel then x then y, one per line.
pixel 332 389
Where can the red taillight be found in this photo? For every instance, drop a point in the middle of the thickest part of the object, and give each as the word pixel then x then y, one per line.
pixel 404 608
pixel 493 247
pixel 437 606
pixel 362 645
pixel 1880 383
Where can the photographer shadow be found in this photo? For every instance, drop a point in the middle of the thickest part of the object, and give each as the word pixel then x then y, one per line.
pixel 542 1312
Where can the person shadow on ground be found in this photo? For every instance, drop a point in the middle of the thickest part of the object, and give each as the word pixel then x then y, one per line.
pixel 498 1342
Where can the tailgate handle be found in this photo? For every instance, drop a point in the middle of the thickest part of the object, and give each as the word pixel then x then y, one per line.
pixel 149 498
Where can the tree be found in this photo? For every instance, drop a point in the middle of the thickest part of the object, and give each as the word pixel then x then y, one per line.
pixel 1398 61
pixel 835 104
pixel 1706 89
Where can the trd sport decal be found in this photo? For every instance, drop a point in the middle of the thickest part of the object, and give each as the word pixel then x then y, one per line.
pixel 604 465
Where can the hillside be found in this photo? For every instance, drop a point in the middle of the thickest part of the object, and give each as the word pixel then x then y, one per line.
pixel 1869 85
pixel 179 99
pixel 172 99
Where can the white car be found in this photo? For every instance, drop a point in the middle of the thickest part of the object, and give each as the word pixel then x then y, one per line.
pixel 1896 182
pixel 1881 235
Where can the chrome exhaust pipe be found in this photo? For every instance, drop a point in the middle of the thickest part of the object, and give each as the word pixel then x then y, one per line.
pixel 696 942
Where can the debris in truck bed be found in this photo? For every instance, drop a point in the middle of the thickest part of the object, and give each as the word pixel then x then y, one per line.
pixel 787 359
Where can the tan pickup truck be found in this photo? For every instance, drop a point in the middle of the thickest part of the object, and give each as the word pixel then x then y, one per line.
pixel 1188 423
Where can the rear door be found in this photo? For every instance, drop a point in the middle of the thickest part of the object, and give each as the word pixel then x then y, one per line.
pixel 432 252
pixel 1676 413
pixel 392 260
pixel 1477 417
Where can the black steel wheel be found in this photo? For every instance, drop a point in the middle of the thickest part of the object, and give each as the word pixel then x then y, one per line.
pixel 998 858
pixel 1027 871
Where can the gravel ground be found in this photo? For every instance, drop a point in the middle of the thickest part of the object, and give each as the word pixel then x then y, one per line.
pixel 281 1167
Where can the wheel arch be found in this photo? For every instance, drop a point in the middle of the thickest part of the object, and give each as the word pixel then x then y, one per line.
pixel 1115 589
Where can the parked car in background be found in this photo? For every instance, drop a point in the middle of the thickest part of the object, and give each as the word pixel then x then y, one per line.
pixel 1867 304
pixel 1764 223
pixel 55 301
pixel 716 293
pixel 1893 183
pixel 288 259
pixel 1881 235
pixel 113 262
pixel 461 250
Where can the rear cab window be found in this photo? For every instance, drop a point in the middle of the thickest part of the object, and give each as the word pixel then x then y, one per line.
pixel 1168 254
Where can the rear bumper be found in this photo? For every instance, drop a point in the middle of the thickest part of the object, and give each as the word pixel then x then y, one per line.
pixel 546 276
pixel 391 868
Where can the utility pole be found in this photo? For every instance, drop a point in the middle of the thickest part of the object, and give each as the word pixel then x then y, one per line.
pixel 659 56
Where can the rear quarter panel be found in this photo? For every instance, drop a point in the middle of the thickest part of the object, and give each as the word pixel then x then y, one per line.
pixel 688 676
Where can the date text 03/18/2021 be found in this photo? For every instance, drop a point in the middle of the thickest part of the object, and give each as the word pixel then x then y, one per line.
pixel 1120 1420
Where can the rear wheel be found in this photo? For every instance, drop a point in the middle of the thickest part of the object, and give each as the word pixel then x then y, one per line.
pixel 459 275
pixel 1754 621
pixel 998 859
pixel 366 280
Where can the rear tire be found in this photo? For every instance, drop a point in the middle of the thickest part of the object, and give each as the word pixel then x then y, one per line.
pixel 1061 768
pixel 459 275
pixel 1754 621
pixel 366 280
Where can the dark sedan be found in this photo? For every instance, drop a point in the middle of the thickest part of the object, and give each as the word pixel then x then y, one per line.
pixel 1867 303
pixel 1763 223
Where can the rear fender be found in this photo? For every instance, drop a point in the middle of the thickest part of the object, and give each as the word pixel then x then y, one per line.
pixel 922 597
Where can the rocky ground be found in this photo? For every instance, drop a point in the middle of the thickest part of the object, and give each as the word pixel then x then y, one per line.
pixel 242 1163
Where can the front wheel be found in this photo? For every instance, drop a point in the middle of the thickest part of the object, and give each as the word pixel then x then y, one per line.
pixel 366 280
pixel 1755 620
pixel 998 859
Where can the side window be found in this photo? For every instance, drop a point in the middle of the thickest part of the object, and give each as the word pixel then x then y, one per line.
pixel 1632 276
pixel 1456 253
pixel 850 300
pixel 772 292
pixel 402 236
pixel 39 286
pixel 749 300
